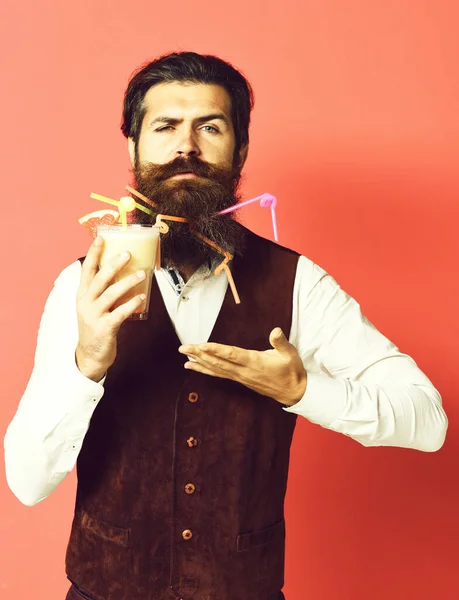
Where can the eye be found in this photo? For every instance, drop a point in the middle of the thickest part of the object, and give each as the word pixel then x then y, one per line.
pixel 165 128
pixel 211 129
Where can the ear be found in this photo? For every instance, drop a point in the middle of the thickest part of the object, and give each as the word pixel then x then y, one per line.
pixel 131 150
pixel 243 152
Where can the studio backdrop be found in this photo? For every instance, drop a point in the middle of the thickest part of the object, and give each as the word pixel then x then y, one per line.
pixel 356 132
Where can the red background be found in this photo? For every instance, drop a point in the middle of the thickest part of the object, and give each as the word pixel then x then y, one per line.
pixel 356 131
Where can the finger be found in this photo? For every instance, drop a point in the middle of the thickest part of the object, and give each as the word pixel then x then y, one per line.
pixel 279 342
pixel 117 290
pixel 120 314
pixel 106 274
pixel 233 354
pixel 91 264
pixel 219 365
pixel 230 373
pixel 258 387
pixel 200 368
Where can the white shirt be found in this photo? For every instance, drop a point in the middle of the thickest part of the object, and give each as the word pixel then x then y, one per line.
pixel 359 383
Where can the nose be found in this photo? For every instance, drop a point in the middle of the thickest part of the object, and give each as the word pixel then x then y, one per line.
pixel 188 146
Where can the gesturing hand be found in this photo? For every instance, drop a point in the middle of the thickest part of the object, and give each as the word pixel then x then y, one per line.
pixel 277 373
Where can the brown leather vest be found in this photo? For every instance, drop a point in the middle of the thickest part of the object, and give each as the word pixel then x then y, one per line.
pixel 182 477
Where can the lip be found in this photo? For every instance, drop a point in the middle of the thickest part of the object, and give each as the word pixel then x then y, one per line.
pixel 184 176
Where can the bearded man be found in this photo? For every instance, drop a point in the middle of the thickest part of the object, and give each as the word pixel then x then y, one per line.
pixel 181 425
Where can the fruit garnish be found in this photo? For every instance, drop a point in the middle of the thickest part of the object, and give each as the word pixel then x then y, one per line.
pixel 99 217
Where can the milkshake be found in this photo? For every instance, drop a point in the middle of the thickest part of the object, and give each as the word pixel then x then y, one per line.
pixel 141 241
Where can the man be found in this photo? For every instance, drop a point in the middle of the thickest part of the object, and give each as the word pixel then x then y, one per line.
pixel 182 424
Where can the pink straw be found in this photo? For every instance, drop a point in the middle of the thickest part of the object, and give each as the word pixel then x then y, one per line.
pixel 265 201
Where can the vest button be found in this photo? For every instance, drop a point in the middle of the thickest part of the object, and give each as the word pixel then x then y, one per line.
pixel 193 397
pixel 192 442
pixel 190 488
pixel 187 534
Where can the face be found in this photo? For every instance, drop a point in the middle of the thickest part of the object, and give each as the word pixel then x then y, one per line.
pixel 185 161
pixel 186 120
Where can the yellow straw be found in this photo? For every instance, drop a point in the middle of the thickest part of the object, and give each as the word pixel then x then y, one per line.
pixel 104 199
pixel 118 205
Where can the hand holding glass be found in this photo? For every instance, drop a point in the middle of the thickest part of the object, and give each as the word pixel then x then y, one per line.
pixel 141 241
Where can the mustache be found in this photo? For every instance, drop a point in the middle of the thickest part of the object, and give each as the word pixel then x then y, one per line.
pixel 180 166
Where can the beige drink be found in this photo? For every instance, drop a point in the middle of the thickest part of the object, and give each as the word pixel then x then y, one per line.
pixel 141 241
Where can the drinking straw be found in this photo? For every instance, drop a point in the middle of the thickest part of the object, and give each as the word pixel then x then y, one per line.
pixel 144 209
pixel 172 218
pixel 105 199
pixel 131 190
pixel 229 276
pixel 226 254
pixel 158 254
pixel 223 265
pixel 118 204
pixel 164 228
pixel 266 200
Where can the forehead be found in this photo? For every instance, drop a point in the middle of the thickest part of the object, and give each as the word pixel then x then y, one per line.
pixel 178 99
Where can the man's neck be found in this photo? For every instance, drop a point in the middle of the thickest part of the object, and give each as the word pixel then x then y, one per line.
pixel 187 272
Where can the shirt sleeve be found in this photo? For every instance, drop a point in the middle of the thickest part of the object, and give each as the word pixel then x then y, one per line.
pixel 45 436
pixel 359 383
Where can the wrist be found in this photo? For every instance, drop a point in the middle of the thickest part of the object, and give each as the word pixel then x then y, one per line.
pixel 300 389
pixel 90 368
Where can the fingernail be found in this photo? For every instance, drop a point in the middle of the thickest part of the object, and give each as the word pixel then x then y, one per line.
pixel 125 255
pixel 143 296
pixel 140 274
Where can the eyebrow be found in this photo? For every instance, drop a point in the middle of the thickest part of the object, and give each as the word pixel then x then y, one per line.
pixel 204 119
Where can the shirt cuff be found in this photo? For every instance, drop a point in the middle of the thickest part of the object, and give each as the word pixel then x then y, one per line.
pixel 71 401
pixel 85 391
pixel 324 400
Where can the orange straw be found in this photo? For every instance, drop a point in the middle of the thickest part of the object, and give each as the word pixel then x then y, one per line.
pixel 164 228
pixel 158 254
pixel 223 265
pixel 230 281
pixel 171 218
pixel 141 196
pixel 215 246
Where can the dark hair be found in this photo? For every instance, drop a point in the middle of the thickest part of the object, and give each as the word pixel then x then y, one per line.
pixel 194 68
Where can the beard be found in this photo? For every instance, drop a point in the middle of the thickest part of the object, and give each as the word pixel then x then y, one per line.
pixel 196 199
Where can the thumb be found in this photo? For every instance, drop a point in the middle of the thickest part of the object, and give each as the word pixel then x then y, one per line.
pixel 278 341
